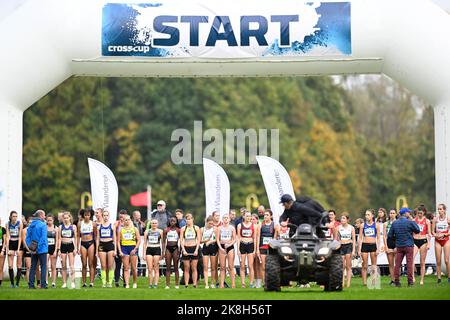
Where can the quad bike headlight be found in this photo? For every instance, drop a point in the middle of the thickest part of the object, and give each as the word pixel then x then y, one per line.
pixel 323 251
pixel 286 250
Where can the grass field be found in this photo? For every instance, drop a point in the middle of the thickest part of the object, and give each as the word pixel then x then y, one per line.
pixel 430 290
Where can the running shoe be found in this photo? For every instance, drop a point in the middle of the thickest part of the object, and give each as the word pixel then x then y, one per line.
pixel 104 286
pixel 53 285
pixel 186 286
pixel 109 285
pixel 392 283
pixel 150 286
pixel 212 286
pixel 64 286
pixel 167 287
pixel 127 286
pixel 177 287
pixel 116 284
pixel 134 285
pixel 73 285
pixel 12 286
pixel 155 286
pixel 439 280
pixel 243 286
pixel 84 285
pixel 251 286
pixel 206 287
pixel 91 285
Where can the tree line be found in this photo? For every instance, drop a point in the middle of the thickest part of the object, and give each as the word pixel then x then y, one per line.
pixel 351 143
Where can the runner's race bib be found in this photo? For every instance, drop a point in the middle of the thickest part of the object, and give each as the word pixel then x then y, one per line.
pixel 247 233
pixel 284 235
pixel 172 236
pixel 421 227
pixel 86 229
pixel 51 241
pixel 345 235
pixel 105 233
pixel 14 232
pixel 190 236
pixel 266 240
pixel 128 236
pixel 66 233
pixel 441 227
pixel 225 235
pixel 153 239
pixel 369 232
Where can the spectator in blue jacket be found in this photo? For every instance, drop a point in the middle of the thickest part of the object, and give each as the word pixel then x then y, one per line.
pixel 402 233
pixel 37 231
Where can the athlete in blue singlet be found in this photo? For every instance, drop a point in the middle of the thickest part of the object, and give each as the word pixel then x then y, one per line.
pixel 368 243
pixel 106 248
pixel 14 237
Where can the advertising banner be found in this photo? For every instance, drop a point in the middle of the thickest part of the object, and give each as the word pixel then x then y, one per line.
pixel 217 188
pixel 211 29
pixel 276 182
pixel 104 189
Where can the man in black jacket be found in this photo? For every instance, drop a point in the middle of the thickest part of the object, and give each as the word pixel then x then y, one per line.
pixel 302 210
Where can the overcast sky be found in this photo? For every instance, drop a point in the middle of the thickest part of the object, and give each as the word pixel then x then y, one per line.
pixel 443 3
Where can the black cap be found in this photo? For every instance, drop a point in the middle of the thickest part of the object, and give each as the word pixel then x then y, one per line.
pixel 286 198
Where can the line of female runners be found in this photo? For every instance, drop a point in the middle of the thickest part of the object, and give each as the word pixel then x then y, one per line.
pixel 216 241
pixel 372 240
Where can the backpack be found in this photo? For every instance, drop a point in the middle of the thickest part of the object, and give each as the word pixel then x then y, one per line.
pixel 33 244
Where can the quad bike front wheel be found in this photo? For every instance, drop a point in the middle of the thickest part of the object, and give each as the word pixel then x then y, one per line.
pixel 335 273
pixel 273 274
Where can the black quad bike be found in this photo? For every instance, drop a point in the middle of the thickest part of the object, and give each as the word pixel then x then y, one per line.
pixel 304 257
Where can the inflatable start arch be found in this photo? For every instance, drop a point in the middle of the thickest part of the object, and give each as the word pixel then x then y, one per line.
pixel 45 42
